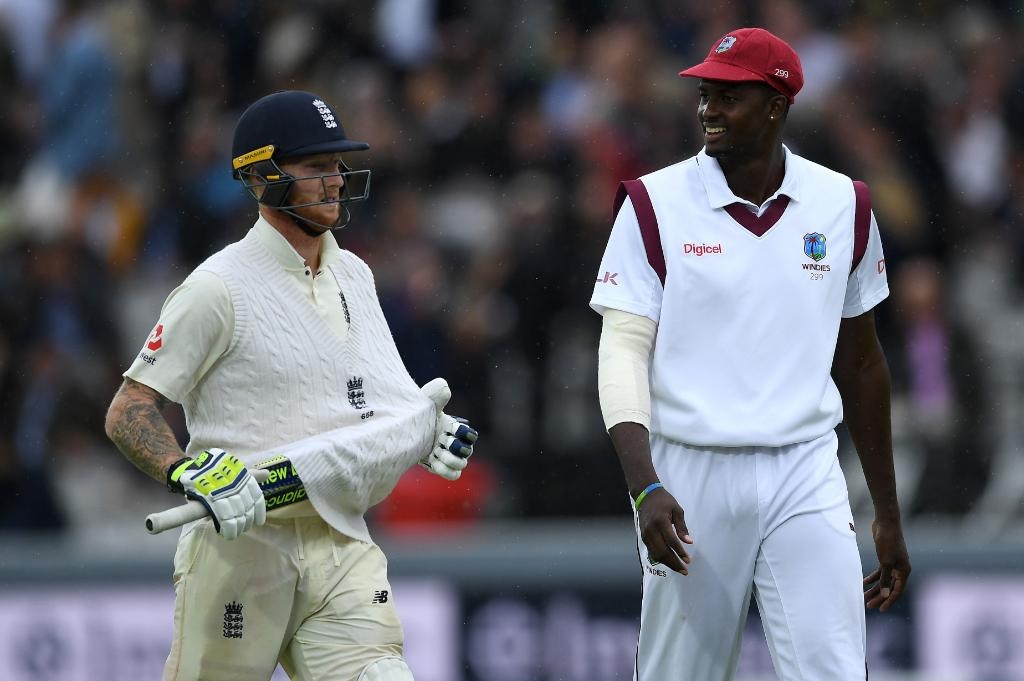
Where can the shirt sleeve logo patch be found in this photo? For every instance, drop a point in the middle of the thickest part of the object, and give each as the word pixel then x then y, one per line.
pixel 155 340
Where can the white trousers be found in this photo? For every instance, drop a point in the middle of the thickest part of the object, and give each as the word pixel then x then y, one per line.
pixel 775 522
pixel 293 591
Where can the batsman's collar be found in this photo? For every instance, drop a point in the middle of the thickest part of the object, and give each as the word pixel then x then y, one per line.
pixel 288 257
pixel 717 188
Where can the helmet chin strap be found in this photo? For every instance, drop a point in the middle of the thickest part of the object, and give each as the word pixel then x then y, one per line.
pixel 304 223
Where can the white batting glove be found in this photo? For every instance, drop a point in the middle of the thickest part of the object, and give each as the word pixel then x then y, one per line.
pixel 453 437
pixel 221 483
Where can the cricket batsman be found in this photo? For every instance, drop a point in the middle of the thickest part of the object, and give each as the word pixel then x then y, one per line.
pixel 278 351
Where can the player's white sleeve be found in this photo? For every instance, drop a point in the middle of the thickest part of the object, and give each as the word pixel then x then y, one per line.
pixel 625 280
pixel 195 328
pixel 623 368
pixel 867 285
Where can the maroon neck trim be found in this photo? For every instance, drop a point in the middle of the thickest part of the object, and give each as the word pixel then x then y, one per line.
pixel 754 224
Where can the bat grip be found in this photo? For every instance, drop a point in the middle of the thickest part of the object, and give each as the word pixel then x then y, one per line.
pixel 168 519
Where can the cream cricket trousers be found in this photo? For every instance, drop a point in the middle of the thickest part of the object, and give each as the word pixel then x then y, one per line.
pixel 293 591
pixel 772 521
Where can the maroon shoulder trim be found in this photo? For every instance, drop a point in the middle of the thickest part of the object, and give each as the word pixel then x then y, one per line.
pixel 649 231
pixel 861 221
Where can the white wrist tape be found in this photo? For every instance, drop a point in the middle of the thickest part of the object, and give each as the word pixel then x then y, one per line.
pixel 624 360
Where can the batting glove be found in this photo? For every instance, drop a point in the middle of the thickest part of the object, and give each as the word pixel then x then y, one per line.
pixel 221 483
pixel 453 437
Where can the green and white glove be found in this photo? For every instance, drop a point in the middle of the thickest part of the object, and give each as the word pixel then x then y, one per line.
pixel 453 436
pixel 221 483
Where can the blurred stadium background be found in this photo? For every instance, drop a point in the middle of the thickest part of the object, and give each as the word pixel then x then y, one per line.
pixel 498 133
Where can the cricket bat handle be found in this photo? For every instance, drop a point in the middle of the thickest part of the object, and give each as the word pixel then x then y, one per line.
pixel 168 519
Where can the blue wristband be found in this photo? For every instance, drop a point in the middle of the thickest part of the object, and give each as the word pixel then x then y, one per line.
pixel 647 490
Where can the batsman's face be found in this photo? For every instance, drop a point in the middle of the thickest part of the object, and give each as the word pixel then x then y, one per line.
pixel 317 181
pixel 736 118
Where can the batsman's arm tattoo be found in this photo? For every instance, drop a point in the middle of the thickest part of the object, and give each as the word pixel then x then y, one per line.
pixel 135 424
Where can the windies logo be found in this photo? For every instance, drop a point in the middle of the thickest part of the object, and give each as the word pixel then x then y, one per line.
pixel 727 42
pixel 814 246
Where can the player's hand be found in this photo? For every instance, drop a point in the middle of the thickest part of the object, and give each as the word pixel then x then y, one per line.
pixel 886 583
pixel 453 436
pixel 663 530
pixel 221 483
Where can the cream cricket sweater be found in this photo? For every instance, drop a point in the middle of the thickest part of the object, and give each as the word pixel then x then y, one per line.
pixel 346 413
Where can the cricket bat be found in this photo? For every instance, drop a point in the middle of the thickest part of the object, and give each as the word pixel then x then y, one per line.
pixel 277 478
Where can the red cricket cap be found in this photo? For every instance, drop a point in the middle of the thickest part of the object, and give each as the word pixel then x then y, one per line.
pixel 752 54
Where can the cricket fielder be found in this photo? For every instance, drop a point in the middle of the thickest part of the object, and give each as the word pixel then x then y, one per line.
pixel 737 290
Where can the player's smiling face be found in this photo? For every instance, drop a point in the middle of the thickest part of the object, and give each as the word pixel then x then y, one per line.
pixel 736 119
pixel 314 189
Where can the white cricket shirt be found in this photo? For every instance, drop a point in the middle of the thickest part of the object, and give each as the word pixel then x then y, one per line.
pixel 344 410
pixel 748 316
pixel 197 321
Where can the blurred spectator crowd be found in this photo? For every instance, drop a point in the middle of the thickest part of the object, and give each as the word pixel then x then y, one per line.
pixel 498 133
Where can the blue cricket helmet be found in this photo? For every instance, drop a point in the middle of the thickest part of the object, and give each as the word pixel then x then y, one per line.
pixel 286 125
pixel 294 123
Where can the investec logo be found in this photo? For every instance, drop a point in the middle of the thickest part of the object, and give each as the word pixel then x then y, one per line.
pixel 702 249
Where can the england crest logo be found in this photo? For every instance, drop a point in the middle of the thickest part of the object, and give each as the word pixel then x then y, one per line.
pixel 814 246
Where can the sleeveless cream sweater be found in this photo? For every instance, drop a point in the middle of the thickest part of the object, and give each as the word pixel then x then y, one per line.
pixel 346 413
